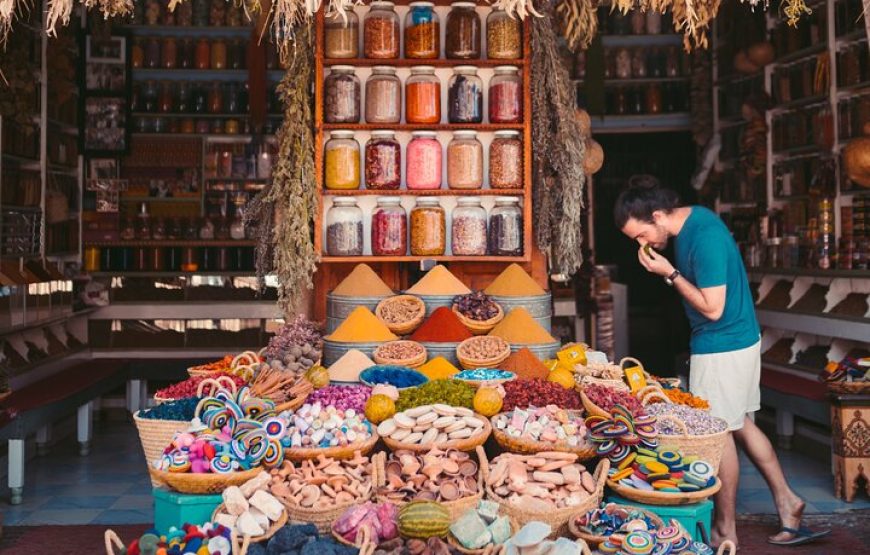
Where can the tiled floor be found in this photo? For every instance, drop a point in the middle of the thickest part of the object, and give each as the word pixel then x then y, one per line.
pixel 111 486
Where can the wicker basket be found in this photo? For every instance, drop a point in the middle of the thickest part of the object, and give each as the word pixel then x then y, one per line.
pixel 493 362
pixel 520 445
pixel 480 327
pixel 583 381
pixel 297 454
pixel 651 392
pixel 403 328
pixel 275 526
pixel 207 483
pixel 467 444
pixel 708 447
pixel 663 497
pixel 155 436
pixel 457 507
pixel 556 518
pixel 222 381
pixel 414 362
pixel 591 408
pixel 488 550
pixel 849 388
pixel 595 541
pixel 363 541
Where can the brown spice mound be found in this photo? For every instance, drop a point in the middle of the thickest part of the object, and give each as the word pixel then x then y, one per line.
pixel 525 365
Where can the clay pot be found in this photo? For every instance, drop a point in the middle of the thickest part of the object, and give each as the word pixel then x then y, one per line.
pixel 584 121
pixel 743 64
pixel 594 157
pixel 761 53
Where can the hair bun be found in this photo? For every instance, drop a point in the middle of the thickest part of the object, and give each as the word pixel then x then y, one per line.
pixel 643 181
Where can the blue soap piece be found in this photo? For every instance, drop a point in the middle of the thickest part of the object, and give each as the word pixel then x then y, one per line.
pixel 691 478
pixel 640 484
pixel 689 487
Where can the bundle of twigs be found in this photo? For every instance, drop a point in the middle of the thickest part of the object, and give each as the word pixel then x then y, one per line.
pixel 280 387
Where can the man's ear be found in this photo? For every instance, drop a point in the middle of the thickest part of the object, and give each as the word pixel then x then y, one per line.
pixel 658 216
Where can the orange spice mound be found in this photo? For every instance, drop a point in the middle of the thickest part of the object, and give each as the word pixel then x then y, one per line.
pixel 525 365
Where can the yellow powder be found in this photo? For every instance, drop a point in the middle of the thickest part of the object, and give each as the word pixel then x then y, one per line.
pixel 518 327
pixel 363 282
pixel 362 326
pixel 349 366
pixel 439 281
pixel 514 282
pixel 439 368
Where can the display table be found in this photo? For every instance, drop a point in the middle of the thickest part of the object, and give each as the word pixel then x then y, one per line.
pixel 850 445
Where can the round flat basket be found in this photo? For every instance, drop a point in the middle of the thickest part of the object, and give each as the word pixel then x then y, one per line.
pixel 480 327
pixel 155 435
pixel 402 328
pixel 663 497
pixel 186 482
pixel 474 363
pixel 708 447
pixel 511 444
pixel 578 532
pixel 277 525
pixel 365 447
pixel 412 362
pixel 467 444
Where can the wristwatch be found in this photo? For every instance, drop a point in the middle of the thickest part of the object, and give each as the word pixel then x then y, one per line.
pixel 670 279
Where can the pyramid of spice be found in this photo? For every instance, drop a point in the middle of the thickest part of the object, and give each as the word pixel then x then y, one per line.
pixel 519 328
pixel 439 368
pixel 525 365
pixel 363 282
pixel 439 281
pixel 514 282
pixel 349 366
pixel 362 326
pixel 441 327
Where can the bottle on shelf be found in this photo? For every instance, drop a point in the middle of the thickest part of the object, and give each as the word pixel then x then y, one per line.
pixel 463 32
pixel 423 160
pixel 506 227
pixel 465 96
pixel 383 96
pixel 389 228
pixel 344 228
pixel 381 31
pixel 423 96
pixel 468 235
pixel 342 161
pixel 383 161
pixel 506 95
pixel 504 36
pixel 422 32
pixel 428 228
pixel 341 96
pixel 341 35
pixel 465 161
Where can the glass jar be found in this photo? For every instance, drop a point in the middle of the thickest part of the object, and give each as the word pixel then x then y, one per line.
pixel 653 98
pixel 468 230
pixel 200 12
pixel 422 32
pixel 381 31
pixel 423 96
pixel 169 53
pixel 341 96
pixel 240 57
pixel 137 53
pixel 506 161
pixel 638 22
pixel 203 54
pixel 423 160
pixel 653 22
pixel 506 227
pixel 655 62
pixel 672 62
pixel 219 54
pixel 428 228
pixel 506 95
pixel 341 161
pixel 638 63
pixel 184 14
pixel 215 98
pixel 344 228
pixel 186 54
pixel 463 32
pixel 383 161
pixel 217 15
pixel 152 53
pixel 383 96
pixel 152 12
pixel 150 96
pixel 504 36
pixel 389 228
pixel 465 161
pixel 622 64
pixel 166 101
pixel 465 96
pixel 341 35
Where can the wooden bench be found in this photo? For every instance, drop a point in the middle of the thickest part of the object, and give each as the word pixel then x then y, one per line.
pixel 790 394
pixel 34 408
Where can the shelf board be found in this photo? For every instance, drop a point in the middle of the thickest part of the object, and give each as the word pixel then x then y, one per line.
pixel 21 370
pixel 191 74
pixel 197 116
pixel 44 322
pixel 800 103
pixel 187 30
pixel 238 179
pixel 184 200
pixel 858 89
pixel 785 198
pixel 731 121
pixel 404 62
pixel 793 369
pixel 740 204
pixel 433 193
pixel 64 127
pixel 172 243
pixel 63 170
pixel 446 258
pixel 810 272
pixel 162 353
pixel 218 137
pixel 679 121
pixel 251 273
pixel 801 54
pixel 828 325
pixel 24 162
pixel 20 208
pixel 738 78
pixel 480 127
pixel 799 152
pixel 642 40
pixel 188 310
pixel 645 80
pixel 858 35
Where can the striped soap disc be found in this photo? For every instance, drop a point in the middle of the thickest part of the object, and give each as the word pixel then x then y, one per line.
pixel 606 447
pixel 701 469
pixel 669 457
pixel 681 544
pixel 662 549
pixel 638 543
pixel 668 533
pixel 701 549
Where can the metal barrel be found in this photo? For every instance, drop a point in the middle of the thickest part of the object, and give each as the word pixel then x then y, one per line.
pixel 541 350
pixel 339 307
pixel 434 302
pixel 334 350
pixel 446 350
pixel 538 306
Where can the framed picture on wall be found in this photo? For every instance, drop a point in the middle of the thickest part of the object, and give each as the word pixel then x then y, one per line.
pixel 106 64
pixel 106 124
pixel 104 108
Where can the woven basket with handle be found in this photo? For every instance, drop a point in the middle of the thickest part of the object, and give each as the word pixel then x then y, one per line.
pixel 707 447
pixel 155 435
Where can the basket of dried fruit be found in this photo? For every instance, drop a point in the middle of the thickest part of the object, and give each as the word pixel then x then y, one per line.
pixel 402 314
pixel 478 312
pixel 410 354
pixel 482 351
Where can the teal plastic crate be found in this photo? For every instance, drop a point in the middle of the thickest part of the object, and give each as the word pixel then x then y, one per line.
pixel 695 518
pixel 176 509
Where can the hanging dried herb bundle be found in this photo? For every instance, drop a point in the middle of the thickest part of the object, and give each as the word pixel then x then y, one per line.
pixel 579 22
pixel 17 85
pixel 284 212
pixel 558 149
pixel 701 96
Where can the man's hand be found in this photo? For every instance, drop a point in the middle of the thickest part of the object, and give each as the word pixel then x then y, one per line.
pixel 654 262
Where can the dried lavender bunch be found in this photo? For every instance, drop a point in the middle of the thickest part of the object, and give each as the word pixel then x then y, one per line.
pixel 296 333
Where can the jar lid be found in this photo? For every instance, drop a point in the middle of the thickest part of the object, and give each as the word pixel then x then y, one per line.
pixel 423 69
pixel 422 4
pixel 424 134
pixel 384 69
pixel 465 69
pixel 383 133
pixel 507 199
pixel 465 201
pixel 341 68
pixel 382 4
pixel 505 69
pixel 344 201
pixel 427 200
pixel 465 134
pixel 389 200
pixel 463 5
pixel 342 134
pixel 509 133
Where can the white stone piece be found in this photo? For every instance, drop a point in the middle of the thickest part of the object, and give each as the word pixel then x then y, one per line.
pixel 267 503
pixel 235 500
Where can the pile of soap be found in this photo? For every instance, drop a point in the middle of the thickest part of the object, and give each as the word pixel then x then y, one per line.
pixel 250 509
pixel 433 476
pixel 548 424
pixel 481 526
pixel 208 539
pixel 541 482
pixel 316 426
pixel 640 539
pixel 611 519
pixel 618 437
pixel 532 540
pixel 301 539
pixel 323 483
pixel 663 470
pixel 438 424
pixel 379 519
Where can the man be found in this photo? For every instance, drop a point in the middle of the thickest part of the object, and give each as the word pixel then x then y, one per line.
pixel 725 343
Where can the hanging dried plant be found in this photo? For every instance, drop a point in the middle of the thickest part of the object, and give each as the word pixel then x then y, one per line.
pixel 284 212
pixel 558 149
pixel 793 10
pixel 579 22
pixel 17 85
pixel 701 96
pixel 517 8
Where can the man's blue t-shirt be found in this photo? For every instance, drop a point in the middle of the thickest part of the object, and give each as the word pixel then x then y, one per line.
pixel 707 256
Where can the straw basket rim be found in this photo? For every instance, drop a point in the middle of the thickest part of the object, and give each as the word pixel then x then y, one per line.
pixel 412 362
pixel 664 498
pixel 466 444
pixel 479 327
pixel 186 482
pixel 680 422
pixel 594 540
pixel 492 362
pixel 592 408
pixel 528 447
pixel 297 454
pixel 273 526
pixel 403 328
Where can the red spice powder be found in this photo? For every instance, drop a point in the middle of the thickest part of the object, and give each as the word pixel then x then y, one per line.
pixel 525 365
pixel 442 327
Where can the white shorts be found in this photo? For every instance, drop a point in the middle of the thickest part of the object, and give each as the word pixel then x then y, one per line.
pixel 730 381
